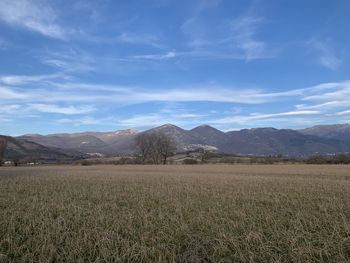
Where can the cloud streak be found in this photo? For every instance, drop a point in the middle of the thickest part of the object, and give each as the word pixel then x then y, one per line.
pixel 326 56
pixel 36 16
pixel 74 98
pixel 255 117
pixel 50 90
pixel 243 38
pixel 23 79
pixel 140 39
pixel 70 60
pixel 67 110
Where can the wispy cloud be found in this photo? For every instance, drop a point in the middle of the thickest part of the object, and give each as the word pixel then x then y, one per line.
pixel 75 91
pixel 10 108
pixel 7 93
pixel 23 79
pixel 146 120
pixel 66 110
pixel 244 29
pixel 335 91
pixel 140 39
pixel 189 116
pixel 168 55
pixel 82 121
pixel 192 55
pixel 235 39
pixel 254 117
pixel 70 60
pixel 155 119
pixel 343 113
pixel 325 54
pixel 48 95
pixel 37 16
pixel 326 105
pixel 134 95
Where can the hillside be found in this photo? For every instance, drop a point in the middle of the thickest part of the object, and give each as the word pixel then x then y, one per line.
pixel 21 148
pixel 337 131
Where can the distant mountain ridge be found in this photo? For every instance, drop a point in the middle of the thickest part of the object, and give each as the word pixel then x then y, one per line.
pixel 330 139
pixel 336 131
pixel 88 142
pixel 270 141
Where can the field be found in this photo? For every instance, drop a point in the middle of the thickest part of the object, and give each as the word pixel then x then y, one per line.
pixel 174 213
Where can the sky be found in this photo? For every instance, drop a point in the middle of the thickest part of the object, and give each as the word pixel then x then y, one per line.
pixel 69 66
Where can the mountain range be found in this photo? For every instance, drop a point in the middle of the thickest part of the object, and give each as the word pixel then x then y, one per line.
pixel 325 140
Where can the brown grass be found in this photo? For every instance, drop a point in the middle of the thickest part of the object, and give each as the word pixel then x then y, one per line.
pixel 204 213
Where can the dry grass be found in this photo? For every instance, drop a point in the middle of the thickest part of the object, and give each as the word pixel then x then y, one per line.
pixel 206 213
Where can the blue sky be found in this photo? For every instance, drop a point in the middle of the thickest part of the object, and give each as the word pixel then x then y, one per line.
pixel 68 66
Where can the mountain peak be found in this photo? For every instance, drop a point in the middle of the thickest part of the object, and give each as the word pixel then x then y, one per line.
pixel 168 126
pixel 203 126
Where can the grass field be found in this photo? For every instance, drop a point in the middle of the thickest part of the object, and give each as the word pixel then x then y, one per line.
pixel 203 213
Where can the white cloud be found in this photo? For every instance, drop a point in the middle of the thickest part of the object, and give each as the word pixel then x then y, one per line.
pixel 7 93
pixel 285 114
pixel 68 110
pixel 10 108
pixel 243 38
pixel 193 54
pixel 322 106
pixel 234 39
pixel 189 116
pixel 70 60
pixel 310 102
pixel 23 79
pixel 143 39
pixel 343 113
pixel 154 119
pixel 254 117
pixel 36 16
pixel 168 55
pixel 86 120
pixel 334 91
pixel 66 91
pixel 326 56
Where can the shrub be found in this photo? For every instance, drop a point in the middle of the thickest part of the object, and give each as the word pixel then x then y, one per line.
pixel 189 161
pixel 86 162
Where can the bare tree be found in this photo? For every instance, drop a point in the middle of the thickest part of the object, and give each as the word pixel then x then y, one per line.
pixel 3 145
pixel 144 146
pixel 204 155
pixel 155 141
pixel 154 147
pixel 166 146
